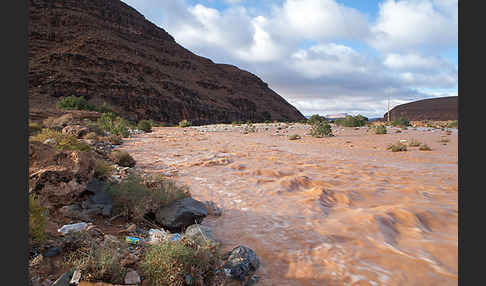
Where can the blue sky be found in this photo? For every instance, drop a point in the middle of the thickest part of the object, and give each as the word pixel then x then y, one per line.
pixel 325 56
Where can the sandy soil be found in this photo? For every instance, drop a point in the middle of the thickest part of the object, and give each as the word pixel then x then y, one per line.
pixel 321 211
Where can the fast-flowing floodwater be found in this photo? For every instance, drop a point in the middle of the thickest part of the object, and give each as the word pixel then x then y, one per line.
pixel 322 211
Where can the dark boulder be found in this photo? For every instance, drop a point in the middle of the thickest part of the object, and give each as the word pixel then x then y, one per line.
pixel 241 262
pixel 181 214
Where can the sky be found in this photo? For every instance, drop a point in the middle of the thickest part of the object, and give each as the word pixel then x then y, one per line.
pixel 325 56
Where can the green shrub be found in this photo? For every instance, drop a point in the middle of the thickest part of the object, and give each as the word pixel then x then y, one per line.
pixel 249 128
pixel 123 158
pixel 414 143
pixel 114 139
pixel 105 108
pixel 425 147
pixel 145 125
pixel 102 169
pixel 321 129
pixel 100 262
pixel 315 119
pixel 352 121
pixel 294 137
pixel 63 141
pixel 134 198
pixel 34 128
pixel 91 136
pixel 397 147
pixel 109 122
pixel 453 124
pixel 184 123
pixel 37 221
pixel 380 129
pixel 401 122
pixel 74 103
pixel 168 263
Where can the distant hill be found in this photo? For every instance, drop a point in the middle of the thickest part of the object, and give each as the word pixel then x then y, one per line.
pixel 442 108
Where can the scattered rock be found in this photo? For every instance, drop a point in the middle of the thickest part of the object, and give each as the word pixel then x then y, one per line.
pixel 156 236
pixel 202 235
pixel 73 227
pixel 241 262
pixel 59 177
pixel 213 209
pixel 50 141
pixel 77 131
pixel 132 277
pixel 76 277
pixel 181 213
pixel 51 251
pixel 64 279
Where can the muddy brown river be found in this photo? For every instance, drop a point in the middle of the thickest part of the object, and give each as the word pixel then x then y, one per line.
pixel 321 211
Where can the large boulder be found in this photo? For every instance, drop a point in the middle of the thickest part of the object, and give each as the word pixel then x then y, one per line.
pixel 77 131
pixel 58 177
pixel 181 214
pixel 202 235
pixel 241 262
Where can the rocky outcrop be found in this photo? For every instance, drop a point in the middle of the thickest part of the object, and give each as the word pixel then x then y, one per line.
pixel 106 51
pixel 59 177
pixel 443 108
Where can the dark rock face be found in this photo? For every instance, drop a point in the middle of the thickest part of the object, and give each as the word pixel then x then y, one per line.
pixel 443 108
pixel 61 177
pixel 106 51
pixel 241 262
pixel 181 214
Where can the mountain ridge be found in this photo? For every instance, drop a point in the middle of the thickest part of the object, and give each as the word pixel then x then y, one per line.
pixel 108 52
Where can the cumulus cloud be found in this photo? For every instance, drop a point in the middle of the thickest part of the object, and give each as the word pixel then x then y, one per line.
pixel 411 24
pixel 297 46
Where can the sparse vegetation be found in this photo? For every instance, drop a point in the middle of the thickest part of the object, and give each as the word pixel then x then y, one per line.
pixel 91 136
pixel 453 124
pixel 425 147
pixel 123 158
pixel 397 147
pixel 74 103
pixel 249 127
pixel 34 128
pixel 113 124
pixel 102 169
pixel 315 119
pixel 294 137
pixel 184 123
pixel 179 263
pixel 37 221
pixel 444 140
pixel 414 143
pixel 352 121
pixel 321 129
pixel 100 262
pixel 145 125
pixel 380 129
pixel 63 141
pixel 134 198
pixel 401 122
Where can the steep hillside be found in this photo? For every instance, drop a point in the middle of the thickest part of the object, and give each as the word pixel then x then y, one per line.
pixel 106 51
pixel 443 108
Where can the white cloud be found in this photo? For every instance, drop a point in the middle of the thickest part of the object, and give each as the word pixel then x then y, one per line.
pixel 410 24
pixel 327 76
pixel 319 20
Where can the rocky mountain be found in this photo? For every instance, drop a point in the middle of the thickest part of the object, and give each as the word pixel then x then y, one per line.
pixel 442 108
pixel 106 51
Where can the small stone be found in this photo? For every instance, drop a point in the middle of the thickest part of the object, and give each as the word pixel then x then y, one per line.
pixel 129 260
pixel 132 277
pixel 76 277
